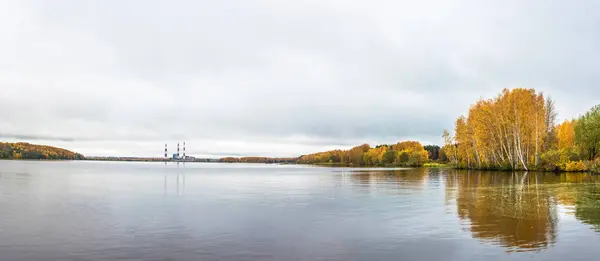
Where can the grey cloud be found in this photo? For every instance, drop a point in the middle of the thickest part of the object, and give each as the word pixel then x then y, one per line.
pixel 279 77
pixel 34 137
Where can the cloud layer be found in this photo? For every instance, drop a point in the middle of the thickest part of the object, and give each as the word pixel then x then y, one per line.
pixel 279 78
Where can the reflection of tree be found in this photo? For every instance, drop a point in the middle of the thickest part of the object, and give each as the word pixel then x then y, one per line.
pixel 570 187
pixel 414 178
pixel 588 206
pixel 389 181
pixel 434 177
pixel 410 177
pixel 582 191
pixel 512 210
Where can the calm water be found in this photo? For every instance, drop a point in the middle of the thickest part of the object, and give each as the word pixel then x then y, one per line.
pixel 149 211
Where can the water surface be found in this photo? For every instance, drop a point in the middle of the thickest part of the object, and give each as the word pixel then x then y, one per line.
pixel 151 211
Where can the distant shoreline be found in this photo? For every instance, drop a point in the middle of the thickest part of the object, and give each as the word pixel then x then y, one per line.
pixel 141 159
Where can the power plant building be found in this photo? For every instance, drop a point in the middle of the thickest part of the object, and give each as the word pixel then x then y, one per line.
pixel 177 156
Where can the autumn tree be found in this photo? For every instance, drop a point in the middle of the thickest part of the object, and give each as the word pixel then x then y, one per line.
pixel 504 132
pixel 355 155
pixel 406 153
pixel 565 134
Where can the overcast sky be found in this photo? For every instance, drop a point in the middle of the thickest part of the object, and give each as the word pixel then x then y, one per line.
pixel 279 78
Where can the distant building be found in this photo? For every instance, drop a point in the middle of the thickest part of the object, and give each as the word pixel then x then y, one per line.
pixel 174 155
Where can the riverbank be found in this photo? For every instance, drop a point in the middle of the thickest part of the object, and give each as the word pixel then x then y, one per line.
pixel 569 167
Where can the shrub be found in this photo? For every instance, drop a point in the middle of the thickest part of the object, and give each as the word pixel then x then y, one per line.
pixel 569 154
pixel 576 166
pixel 403 157
pixel 435 165
pixel 593 166
pixel 389 156
pixel 550 160
pixel 417 158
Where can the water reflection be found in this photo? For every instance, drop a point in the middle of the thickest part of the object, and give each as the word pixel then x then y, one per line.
pixel 517 211
pixel 100 211
pixel 587 207
pixel 511 210
pixel 177 176
pixel 581 192
pixel 388 182
pixel 404 177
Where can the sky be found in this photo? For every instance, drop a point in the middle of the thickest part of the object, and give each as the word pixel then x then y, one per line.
pixel 279 78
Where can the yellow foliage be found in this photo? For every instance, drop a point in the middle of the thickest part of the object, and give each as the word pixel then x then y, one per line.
pixel 565 133
pixel 576 166
pixel 414 153
pixel 504 132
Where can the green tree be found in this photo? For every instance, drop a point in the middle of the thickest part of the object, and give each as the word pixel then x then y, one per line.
pixel 434 151
pixel 417 158
pixel 389 156
pixel 403 157
pixel 587 132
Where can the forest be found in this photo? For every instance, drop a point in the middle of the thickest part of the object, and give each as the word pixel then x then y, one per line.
pixel 407 153
pixel 517 130
pixel 22 150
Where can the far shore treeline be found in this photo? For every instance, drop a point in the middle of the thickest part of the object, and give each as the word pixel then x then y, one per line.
pixel 407 153
pixel 517 131
pixel 23 150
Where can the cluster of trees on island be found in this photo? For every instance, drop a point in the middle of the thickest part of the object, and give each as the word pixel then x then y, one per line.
pixel 517 131
pixel 22 150
pixel 407 153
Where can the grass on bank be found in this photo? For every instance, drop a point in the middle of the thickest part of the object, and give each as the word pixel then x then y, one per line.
pixel 434 165
pixel 424 165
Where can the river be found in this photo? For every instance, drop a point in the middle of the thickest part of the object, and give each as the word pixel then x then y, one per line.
pixel 210 211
